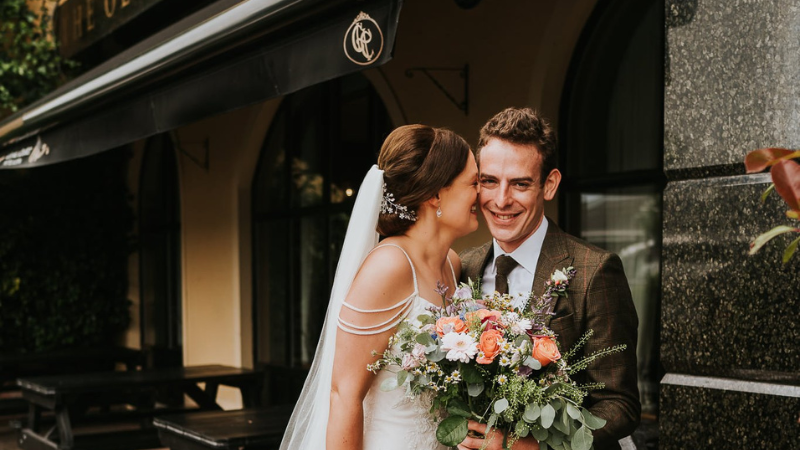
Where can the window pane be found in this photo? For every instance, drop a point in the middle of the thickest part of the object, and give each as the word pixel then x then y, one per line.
pixel 314 287
pixel 614 122
pixel 272 240
pixel 308 148
pixel 271 180
pixel 627 222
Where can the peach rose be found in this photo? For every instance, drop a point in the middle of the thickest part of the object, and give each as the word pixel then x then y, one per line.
pixel 545 350
pixel 450 324
pixel 489 345
pixel 483 315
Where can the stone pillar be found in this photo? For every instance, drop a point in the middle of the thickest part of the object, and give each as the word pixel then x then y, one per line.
pixel 731 322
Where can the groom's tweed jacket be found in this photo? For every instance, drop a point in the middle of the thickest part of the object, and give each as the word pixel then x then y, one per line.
pixel 600 300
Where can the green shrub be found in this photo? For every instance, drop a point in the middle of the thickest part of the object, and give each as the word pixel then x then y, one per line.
pixel 64 246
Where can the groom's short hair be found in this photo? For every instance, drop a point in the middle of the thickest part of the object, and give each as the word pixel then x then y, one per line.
pixel 523 126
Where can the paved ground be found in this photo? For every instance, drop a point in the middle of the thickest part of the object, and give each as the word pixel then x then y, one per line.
pixel 8 435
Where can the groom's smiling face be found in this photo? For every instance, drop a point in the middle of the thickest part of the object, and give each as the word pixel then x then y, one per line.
pixel 512 194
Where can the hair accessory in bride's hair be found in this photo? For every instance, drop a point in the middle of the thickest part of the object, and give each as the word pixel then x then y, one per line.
pixel 389 206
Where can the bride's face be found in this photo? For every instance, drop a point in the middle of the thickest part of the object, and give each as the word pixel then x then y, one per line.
pixel 459 200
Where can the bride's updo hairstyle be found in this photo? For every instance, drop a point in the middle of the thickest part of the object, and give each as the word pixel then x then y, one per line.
pixel 417 162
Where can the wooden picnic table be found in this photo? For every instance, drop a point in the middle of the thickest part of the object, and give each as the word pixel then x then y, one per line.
pixel 247 429
pixel 14 365
pixel 71 399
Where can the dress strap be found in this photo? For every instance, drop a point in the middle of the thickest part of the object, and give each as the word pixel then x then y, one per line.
pixel 413 270
pixel 453 271
pixel 403 307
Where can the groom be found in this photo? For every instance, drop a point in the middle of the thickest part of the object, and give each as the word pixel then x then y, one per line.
pixel 517 164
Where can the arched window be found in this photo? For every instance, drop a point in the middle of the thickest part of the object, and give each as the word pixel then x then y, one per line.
pixel 159 254
pixel 321 143
pixel 611 132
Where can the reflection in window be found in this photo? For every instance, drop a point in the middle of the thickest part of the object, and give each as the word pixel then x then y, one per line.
pixel 321 143
pixel 611 128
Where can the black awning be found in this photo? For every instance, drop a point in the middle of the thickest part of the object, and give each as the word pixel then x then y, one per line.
pixel 279 60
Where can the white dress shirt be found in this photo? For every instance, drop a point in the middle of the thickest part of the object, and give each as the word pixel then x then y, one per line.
pixel 520 280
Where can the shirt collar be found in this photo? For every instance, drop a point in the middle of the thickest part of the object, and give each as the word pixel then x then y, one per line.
pixel 527 254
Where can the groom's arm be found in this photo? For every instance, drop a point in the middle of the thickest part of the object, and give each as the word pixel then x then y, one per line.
pixel 610 313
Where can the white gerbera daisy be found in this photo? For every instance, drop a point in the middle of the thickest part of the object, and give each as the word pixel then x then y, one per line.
pixel 459 346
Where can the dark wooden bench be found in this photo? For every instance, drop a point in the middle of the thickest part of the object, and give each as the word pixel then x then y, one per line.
pixel 74 399
pixel 247 429
pixel 58 362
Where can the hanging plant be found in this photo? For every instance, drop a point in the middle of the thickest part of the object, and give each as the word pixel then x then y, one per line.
pixel 30 65
pixel 785 173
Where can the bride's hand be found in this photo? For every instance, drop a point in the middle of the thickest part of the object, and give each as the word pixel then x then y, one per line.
pixel 495 439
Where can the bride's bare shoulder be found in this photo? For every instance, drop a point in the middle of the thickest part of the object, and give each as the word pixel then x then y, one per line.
pixel 385 278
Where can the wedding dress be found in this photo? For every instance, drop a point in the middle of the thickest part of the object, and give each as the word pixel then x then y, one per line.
pixel 392 421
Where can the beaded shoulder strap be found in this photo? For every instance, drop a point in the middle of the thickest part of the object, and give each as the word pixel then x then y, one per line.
pixel 402 307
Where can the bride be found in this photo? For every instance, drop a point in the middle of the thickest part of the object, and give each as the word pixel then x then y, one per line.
pixel 421 197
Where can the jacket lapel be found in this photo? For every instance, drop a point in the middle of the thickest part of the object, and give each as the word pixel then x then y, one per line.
pixel 553 255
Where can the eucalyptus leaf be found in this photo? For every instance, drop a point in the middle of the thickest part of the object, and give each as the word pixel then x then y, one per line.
pixel 500 406
pixel 591 421
pixel 401 377
pixel 532 412
pixel 532 362
pixel 490 423
pixel 560 424
pixel 540 434
pixel 474 389
pixel 389 384
pixel 425 339
pixel 543 446
pixel 521 429
pixel 452 431
pixel 547 416
pixel 426 319
pixel 573 412
pixel 436 355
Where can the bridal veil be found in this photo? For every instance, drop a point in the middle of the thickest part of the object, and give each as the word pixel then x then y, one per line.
pixel 308 425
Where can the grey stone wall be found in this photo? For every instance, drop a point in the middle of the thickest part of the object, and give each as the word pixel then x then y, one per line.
pixel 731 333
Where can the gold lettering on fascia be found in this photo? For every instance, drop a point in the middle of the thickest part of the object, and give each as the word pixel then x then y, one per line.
pixel 33 153
pixel 89 15
pixel 361 38
pixel 111 6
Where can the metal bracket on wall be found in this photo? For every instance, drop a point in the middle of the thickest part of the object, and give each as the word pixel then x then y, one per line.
pixel 201 163
pixel 463 71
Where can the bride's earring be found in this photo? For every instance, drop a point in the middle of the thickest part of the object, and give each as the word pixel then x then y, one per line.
pixel 439 212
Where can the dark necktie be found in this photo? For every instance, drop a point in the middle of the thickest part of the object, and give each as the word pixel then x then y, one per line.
pixel 504 265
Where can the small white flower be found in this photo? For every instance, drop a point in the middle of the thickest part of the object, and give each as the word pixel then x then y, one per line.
pixel 521 326
pixel 459 346
pixel 505 361
pixel 559 276
pixel 502 379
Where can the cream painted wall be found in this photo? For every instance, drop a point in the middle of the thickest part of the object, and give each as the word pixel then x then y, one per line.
pixel 518 54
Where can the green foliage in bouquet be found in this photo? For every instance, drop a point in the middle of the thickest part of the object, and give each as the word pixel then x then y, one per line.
pixel 30 65
pixel 64 254
pixel 785 173
pixel 492 359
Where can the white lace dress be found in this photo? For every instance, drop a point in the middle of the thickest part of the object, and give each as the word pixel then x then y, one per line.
pixel 393 420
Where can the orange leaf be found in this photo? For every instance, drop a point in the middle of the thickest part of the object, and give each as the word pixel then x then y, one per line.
pixel 786 176
pixel 758 160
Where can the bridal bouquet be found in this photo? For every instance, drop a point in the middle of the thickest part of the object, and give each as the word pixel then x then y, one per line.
pixel 493 359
